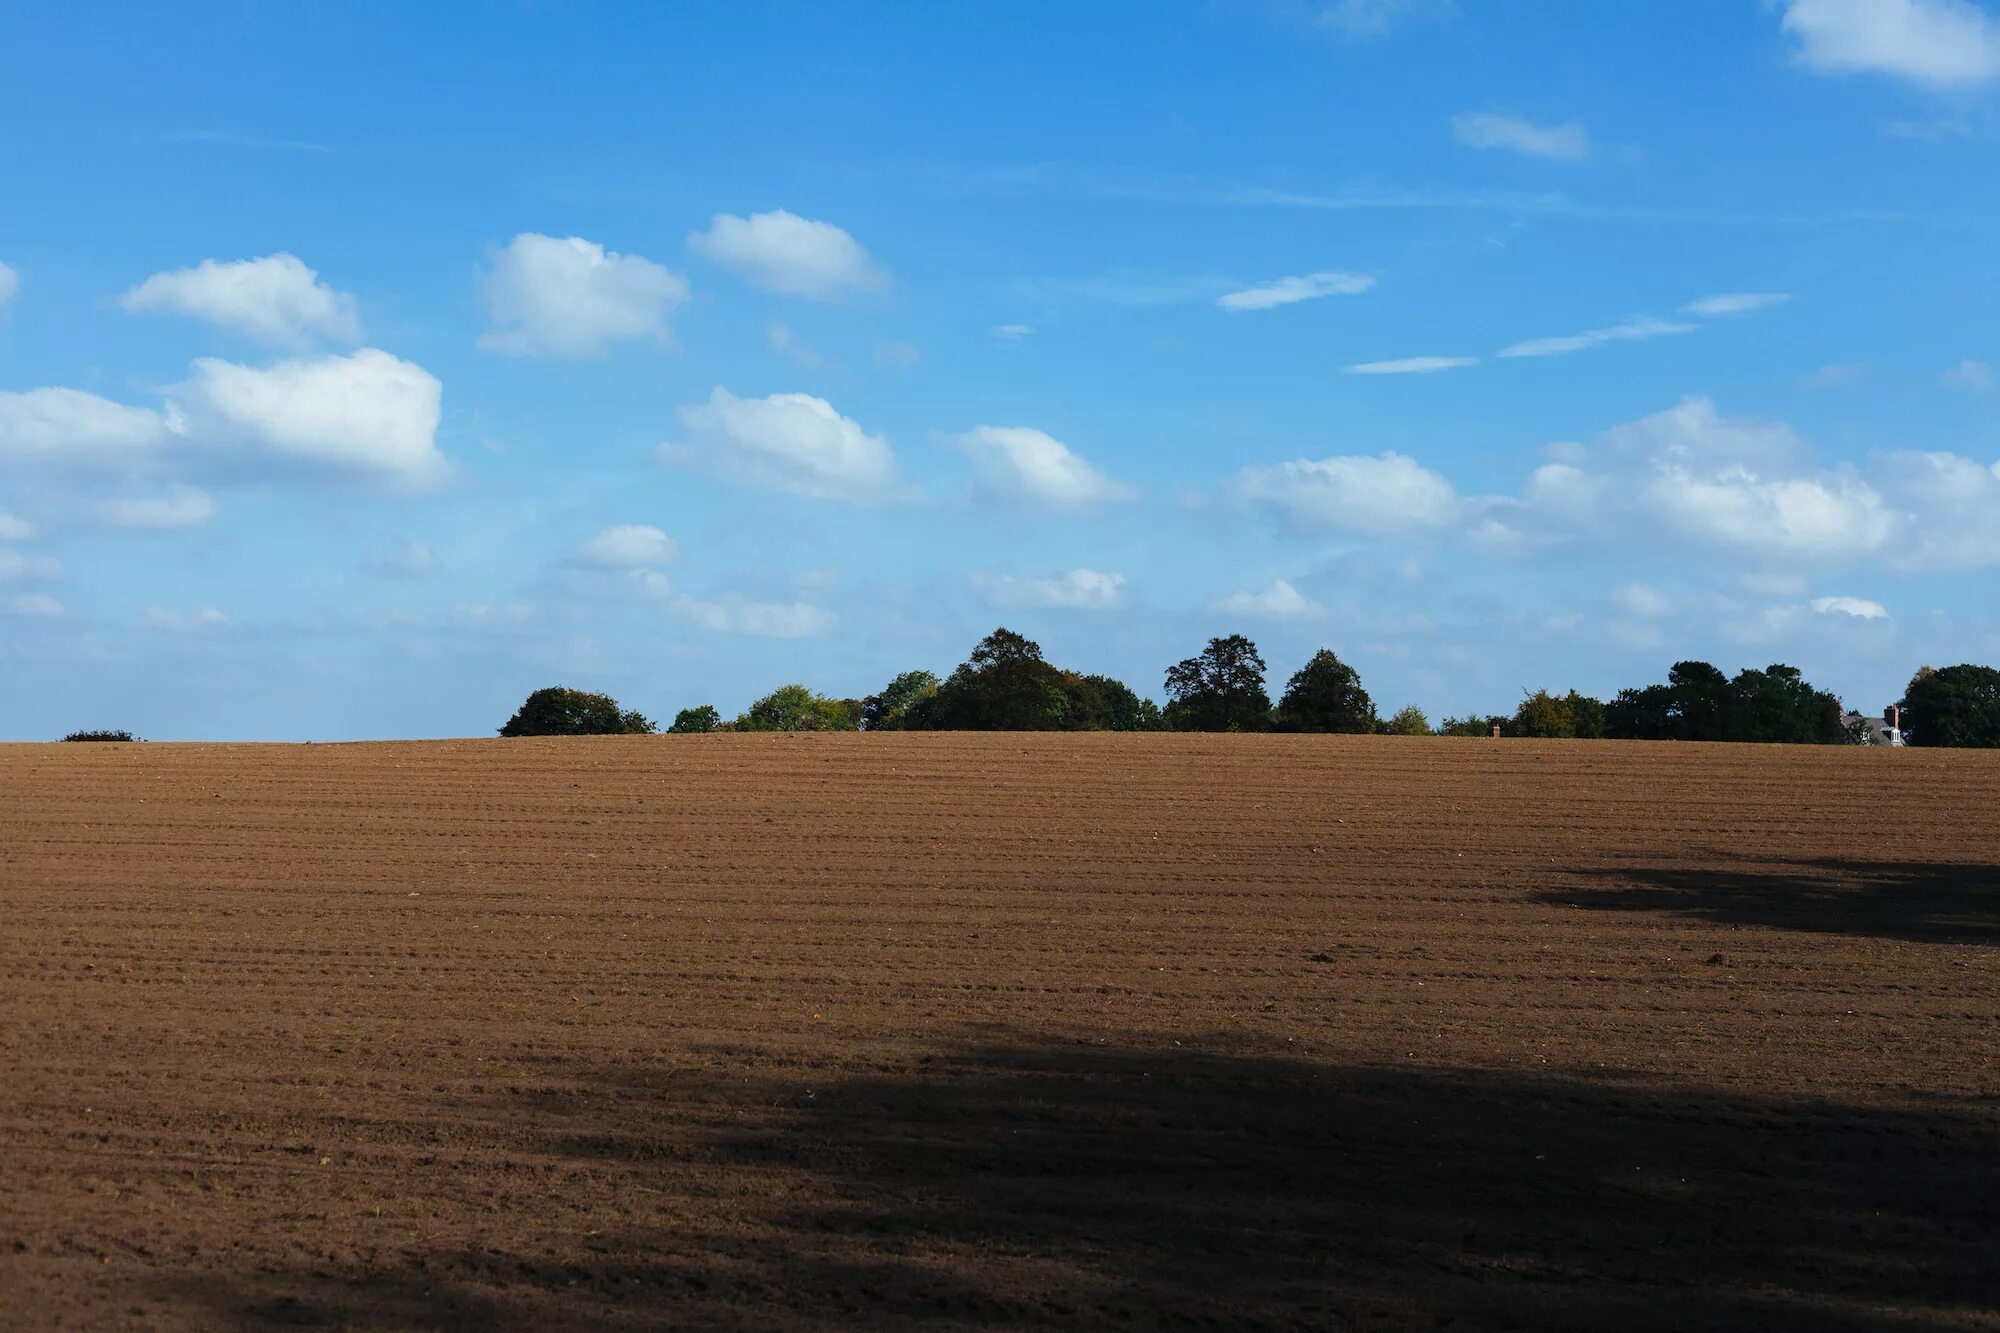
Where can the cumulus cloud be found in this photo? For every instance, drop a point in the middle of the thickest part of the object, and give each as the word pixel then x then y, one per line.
pixel 897 355
pixel 784 253
pixel 1733 303
pixel 1075 590
pixel 14 529
pixel 1974 375
pixel 1492 129
pixel 1287 291
pixel 1630 330
pixel 177 507
pixel 15 567
pixel 70 427
pixel 36 605
pixel 10 284
pixel 791 442
pixel 1953 504
pixel 1280 601
pixel 568 297
pixel 1413 365
pixel 631 546
pixel 368 414
pixel 276 298
pixel 1943 44
pixel 1859 608
pixel 1356 493
pixel 1024 465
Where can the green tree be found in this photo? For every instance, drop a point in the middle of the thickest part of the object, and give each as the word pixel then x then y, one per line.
pixel 1956 706
pixel 1004 686
pixel 1100 703
pixel 1222 689
pixel 1409 720
pixel 890 710
pixel 1562 717
pixel 1472 724
pixel 796 708
pixel 1326 695
pixel 696 721
pixel 1778 705
pixel 560 711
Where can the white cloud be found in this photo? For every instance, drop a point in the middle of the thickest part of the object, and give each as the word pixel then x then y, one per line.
pixel 1075 590
pixel 1012 332
pixel 1024 465
pixel 1831 516
pixel 38 605
pixel 1280 601
pixel 897 355
pixel 10 284
pixel 631 546
pixel 276 298
pixel 162 617
pixel 785 343
pixel 1631 330
pixel 790 442
pixel 1939 43
pixel 70 427
pixel 568 297
pixel 1835 375
pixel 1305 287
pixel 1640 599
pixel 1859 608
pixel 1413 365
pixel 1974 375
pixel 1492 129
pixel 368 413
pixel 15 567
pixel 178 507
pixel 14 529
pixel 768 620
pixel 1953 504
pixel 1734 303
pixel 1392 493
pixel 793 256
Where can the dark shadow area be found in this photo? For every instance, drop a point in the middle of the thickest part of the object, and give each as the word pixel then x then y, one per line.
pixel 1932 902
pixel 1090 1186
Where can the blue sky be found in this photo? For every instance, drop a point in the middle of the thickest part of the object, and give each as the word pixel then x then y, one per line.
pixel 363 367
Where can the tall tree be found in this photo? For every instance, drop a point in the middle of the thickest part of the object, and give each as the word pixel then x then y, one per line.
pixel 560 711
pixel 1326 695
pixel 1954 706
pixel 890 710
pixel 1004 686
pixel 1222 689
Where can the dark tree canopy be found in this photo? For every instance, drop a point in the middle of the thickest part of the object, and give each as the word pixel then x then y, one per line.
pixel 1222 689
pixel 1699 703
pixel 1326 695
pixel 100 736
pixel 1099 703
pixel 890 710
pixel 696 721
pixel 559 711
pixel 1004 686
pixel 1559 717
pixel 1957 706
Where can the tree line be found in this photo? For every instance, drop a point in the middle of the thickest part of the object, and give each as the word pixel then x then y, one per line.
pixel 1006 684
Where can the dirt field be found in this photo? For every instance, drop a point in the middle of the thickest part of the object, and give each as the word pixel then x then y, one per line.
pixel 944 1031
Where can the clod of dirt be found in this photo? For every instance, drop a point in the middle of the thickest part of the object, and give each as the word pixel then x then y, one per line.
pixel 1713 960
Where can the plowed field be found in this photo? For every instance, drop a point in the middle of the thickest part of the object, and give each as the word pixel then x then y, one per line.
pixel 952 1031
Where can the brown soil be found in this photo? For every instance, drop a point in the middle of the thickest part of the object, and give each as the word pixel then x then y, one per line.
pixel 890 1031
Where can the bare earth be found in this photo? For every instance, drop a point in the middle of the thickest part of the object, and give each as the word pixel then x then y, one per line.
pixel 950 1030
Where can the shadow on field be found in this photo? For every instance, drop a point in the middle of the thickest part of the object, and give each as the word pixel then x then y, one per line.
pixel 1079 1185
pixel 1938 903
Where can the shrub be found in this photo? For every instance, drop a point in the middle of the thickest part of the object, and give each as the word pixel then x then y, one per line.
pixel 100 736
pixel 796 708
pixel 559 711
pixel 696 721
pixel 1408 720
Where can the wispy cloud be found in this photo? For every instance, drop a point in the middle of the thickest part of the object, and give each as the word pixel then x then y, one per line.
pixel 1734 303
pixel 1289 291
pixel 1974 375
pixel 228 139
pixel 1631 330
pixel 1413 365
pixel 1492 129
